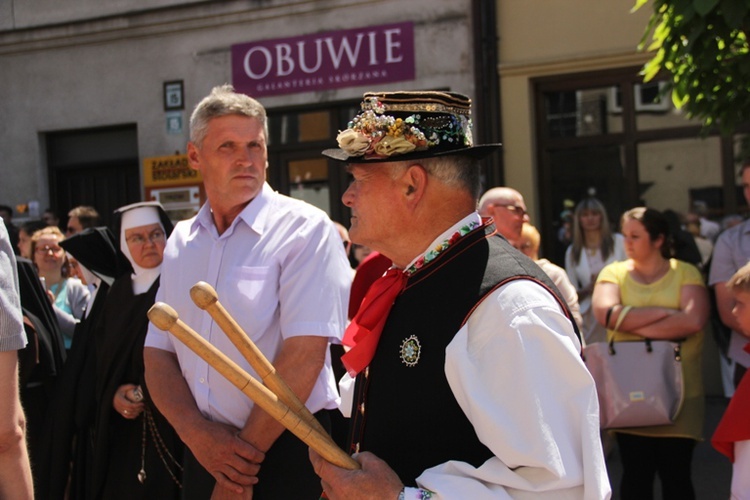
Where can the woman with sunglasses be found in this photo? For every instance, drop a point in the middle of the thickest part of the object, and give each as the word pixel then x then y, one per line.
pixel 69 295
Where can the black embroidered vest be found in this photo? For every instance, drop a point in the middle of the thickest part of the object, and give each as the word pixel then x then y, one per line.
pixel 407 415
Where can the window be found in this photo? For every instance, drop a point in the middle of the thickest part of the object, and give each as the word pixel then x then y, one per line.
pixel 609 133
pixel 579 113
pixel 296 166
pixel 648 97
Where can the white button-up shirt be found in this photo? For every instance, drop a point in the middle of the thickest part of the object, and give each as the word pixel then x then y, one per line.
pixel 280 270
pixel 516 371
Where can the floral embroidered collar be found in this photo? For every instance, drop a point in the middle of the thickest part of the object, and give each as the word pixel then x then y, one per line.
pixel 445 240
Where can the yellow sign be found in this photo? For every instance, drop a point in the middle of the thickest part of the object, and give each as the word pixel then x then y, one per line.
pixel 169 171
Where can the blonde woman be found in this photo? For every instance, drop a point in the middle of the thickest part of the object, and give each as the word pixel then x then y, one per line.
pixel 594 246
pixel 69 295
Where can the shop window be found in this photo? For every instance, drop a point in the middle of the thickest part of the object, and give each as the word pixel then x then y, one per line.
pixel 306 171
pixel 580 113
pixel 628 149
pixel 308 180
pixel 561 113
pixel 647 97
pixel 314 126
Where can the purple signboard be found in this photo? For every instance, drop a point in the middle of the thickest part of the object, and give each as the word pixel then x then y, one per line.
pixel 335 59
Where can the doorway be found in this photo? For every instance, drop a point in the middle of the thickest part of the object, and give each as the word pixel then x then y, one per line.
pixel 96 167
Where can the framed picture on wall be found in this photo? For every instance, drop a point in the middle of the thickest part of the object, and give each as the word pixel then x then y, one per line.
pixel 174 95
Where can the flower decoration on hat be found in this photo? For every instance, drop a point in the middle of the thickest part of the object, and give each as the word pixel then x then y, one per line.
pixel 374 134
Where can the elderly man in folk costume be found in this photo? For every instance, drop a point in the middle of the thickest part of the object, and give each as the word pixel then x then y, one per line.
pixel 469 379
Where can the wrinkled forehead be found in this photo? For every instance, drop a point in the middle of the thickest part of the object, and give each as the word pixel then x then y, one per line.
pixel 365 169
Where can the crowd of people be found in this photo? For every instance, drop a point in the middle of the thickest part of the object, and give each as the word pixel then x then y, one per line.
pixel 436 345
pixel 660 266
pixel 92 430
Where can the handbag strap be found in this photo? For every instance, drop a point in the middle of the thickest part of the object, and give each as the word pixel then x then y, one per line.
pixel 623 313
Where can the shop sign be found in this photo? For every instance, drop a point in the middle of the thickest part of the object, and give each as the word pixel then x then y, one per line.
pixel 334 59
pixel 169 171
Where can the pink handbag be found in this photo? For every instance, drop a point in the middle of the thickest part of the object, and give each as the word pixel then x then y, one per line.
pixel 639 383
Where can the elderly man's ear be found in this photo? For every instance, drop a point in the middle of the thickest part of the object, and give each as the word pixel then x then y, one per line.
pixel 416 179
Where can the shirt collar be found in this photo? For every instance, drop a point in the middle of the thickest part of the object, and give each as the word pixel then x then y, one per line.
pixel 471 221
pixel 254 214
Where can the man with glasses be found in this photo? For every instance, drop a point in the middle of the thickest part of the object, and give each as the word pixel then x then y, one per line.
pixel 507 207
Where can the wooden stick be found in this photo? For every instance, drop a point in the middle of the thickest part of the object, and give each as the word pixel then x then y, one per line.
pixel 166 318
pixel 207 299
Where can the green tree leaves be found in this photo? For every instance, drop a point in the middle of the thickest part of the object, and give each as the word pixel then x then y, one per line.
pixel 703 46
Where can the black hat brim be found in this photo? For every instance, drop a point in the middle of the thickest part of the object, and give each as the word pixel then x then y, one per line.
pixel 476 152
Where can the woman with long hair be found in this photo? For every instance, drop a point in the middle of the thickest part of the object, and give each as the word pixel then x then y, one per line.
pixel 668 301
pixel 594 246
pixel 69 295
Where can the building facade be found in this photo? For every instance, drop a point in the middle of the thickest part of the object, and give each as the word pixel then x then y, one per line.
pixel 96 98
pixel 577 119
pixel 99 94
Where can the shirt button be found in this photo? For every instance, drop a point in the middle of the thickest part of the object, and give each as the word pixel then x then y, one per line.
pixel 202 380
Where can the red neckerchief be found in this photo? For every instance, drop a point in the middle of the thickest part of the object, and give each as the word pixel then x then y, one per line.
pixel 363 333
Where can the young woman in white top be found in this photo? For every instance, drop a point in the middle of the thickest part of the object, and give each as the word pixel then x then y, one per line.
pixel 594 246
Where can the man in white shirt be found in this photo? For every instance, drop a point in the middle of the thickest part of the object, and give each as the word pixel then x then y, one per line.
pixel 469 380
pixel 732 251
pixel 280 270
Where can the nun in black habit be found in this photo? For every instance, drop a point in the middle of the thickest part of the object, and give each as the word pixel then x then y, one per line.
pixel 41 361
pixel 68 431
pixel 137 454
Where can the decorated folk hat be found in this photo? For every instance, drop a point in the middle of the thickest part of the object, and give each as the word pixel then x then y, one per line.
pixel 402 126
pixel 398 126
